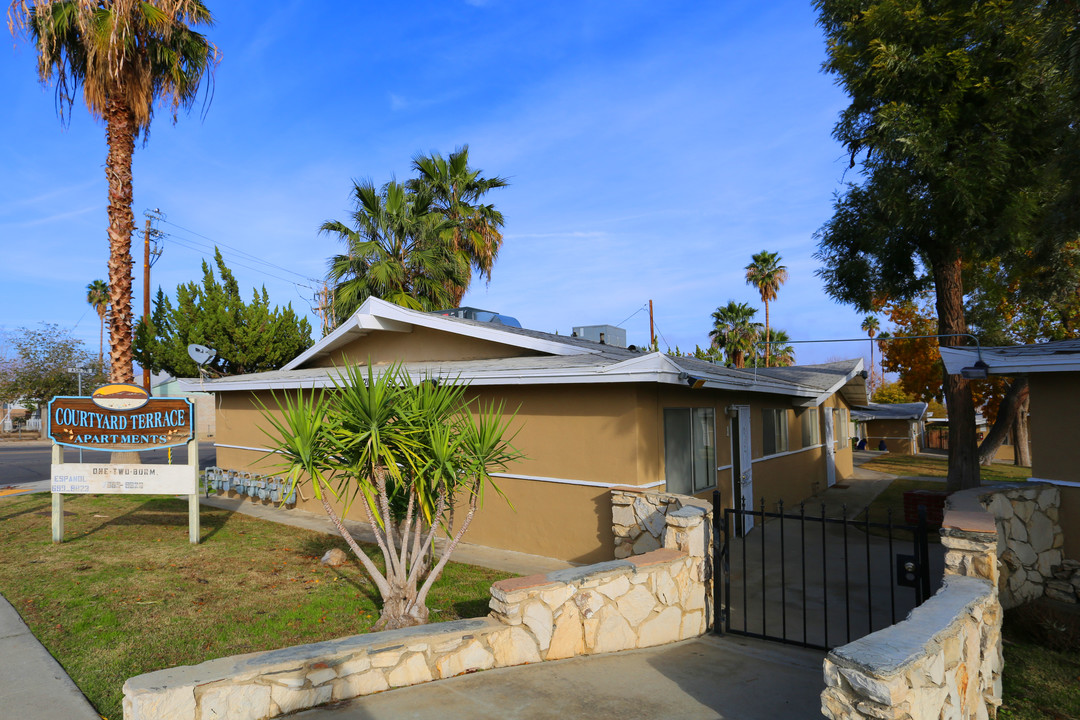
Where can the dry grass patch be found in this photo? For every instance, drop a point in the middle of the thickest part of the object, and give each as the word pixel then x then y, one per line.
pixel 127 594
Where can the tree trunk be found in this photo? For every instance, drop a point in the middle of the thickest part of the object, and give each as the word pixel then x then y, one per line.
pixel 768 347
pixel 120 130
pixel 1007 414
pixel 1021 435
pixel 963 446
pixel 401 610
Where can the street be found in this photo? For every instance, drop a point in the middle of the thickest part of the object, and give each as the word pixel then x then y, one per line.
pixel 25 463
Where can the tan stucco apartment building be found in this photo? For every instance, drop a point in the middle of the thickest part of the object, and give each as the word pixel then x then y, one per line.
pixel 590 417
pixel 900 426
pixel 1053 373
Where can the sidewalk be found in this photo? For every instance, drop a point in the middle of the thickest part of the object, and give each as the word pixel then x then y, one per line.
pixel 33 686
pixel 709 677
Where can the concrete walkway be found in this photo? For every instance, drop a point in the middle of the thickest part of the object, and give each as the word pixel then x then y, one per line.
pixel 504 560
pixel 709 677
pixel 33 686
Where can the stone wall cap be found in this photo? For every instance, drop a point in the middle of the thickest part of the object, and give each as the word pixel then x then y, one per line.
pixel 571 575
pixel 657 556
pixel 688 511
pixel 891 650
pixel 969 521
pixel 523 583
pixel 629 489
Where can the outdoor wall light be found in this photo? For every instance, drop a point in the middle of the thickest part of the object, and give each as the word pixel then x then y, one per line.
pixel 978 371
pixel 731 411
pixel 694 382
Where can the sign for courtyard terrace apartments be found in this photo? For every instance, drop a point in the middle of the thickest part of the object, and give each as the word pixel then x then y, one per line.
pixel 121 418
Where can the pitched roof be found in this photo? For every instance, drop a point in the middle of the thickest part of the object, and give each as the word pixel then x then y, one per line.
pixel 1058 356
pixel 562 360
pixel 895 411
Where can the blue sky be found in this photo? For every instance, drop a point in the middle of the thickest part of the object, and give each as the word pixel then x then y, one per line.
pixel 651 148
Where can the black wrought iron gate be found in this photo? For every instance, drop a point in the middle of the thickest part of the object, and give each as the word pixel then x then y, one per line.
pixel 807 579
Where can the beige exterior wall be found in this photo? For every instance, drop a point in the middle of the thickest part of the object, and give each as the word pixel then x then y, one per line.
pixel 610 434
pixel 896 433
pixel 1055 452
pixel 419 345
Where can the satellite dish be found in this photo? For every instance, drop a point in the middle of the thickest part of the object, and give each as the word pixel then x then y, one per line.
pixel 201 354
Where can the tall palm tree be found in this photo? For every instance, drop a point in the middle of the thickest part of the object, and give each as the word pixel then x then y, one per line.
pixel 97 294
pixel 870 326
pixel 456 191
pixel 127 56
pixel 783 355
pixel 767 275
pixel 735 332
pixel 396 251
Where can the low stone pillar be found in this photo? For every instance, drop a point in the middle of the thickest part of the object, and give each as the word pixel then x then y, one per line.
pixel 689 530
pixel 969 535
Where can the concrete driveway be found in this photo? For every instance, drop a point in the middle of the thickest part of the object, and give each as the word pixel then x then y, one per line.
pixel 710 677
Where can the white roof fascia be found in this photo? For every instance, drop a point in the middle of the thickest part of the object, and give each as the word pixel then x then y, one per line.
pixel 375 314
pixel 1001 363
pixel 822 396
pixel 654 367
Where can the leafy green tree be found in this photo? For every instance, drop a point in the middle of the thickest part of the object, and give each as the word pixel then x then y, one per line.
pixel 735 332
pixel 891 393
pixel 97 294
pixel 956 120
pixel 414 454
pixel 399 250
pixel 40 368
pixel 126 57
pixel 767 275
pixel 248 337
pixel 457 191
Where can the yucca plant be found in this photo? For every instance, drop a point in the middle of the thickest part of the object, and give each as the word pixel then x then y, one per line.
pixel 412 453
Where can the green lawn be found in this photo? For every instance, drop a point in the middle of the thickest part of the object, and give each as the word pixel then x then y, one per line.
pixel 1042 664
pixel 938 466
pixel 127 594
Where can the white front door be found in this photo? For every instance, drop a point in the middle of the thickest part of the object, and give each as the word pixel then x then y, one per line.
pixel 830 450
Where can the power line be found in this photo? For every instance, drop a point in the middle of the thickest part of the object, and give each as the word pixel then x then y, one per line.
pixel 193 245
pixel 237 250
pixel 640 309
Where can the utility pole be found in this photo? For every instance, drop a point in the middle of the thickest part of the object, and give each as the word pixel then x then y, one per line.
pixel 652 331
pixel 147 264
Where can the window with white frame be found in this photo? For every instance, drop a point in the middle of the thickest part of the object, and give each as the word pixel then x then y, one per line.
pixel 811 428
pixel 774 431
pixel 689 449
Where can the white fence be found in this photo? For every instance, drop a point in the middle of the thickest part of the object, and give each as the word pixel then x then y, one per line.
pixel 32 424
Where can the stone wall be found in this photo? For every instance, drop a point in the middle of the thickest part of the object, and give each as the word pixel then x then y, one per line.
pixel 650 599
pixel 944 661
pixel 1030 542
pixel 638 518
